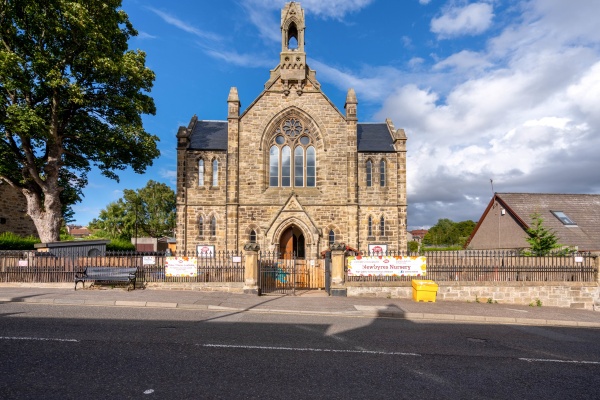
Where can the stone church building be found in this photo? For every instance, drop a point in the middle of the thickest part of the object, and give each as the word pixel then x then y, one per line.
pixel 290 173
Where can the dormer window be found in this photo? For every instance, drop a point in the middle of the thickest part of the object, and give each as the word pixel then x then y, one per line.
pixel 562 217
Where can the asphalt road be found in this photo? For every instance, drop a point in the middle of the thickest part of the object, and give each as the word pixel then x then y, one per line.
pixel 64 352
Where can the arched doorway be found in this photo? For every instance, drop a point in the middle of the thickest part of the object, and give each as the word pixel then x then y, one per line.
pixel 292 242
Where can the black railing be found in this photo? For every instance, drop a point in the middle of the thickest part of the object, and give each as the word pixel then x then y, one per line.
pixel 496 266
pixel 46 267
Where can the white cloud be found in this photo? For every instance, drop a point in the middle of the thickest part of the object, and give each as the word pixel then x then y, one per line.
pixel 242 60
pixel 266 17
pixel 472 19
pixel 524 112
pixel 424 2
pixel 187 27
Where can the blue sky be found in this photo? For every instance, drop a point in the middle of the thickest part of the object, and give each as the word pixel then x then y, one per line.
pixel 497 90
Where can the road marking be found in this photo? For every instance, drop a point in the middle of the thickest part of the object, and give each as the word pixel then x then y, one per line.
pixel 559 361
pixel 308 349
pixel 38 339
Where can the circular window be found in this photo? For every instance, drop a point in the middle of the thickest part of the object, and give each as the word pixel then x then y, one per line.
pixel 280 140
pixel 305 140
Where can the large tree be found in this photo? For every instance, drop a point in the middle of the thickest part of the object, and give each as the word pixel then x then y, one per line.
pixel 149 211
pixel 72 97
pixel 447 232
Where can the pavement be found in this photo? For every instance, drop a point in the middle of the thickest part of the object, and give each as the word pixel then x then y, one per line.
pixel 304 302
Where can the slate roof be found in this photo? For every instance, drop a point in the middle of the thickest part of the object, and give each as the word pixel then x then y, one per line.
pixel 374 137
pixel 583 209
pixel 209 135
pixel 212 135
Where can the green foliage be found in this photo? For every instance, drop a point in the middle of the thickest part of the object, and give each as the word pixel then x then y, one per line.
pixel 150 211
pixel 542 240
pixel 448 233
pixel 413 246
pixel 11 241
pixel 72 96
pixel 120 245
pixel 450 248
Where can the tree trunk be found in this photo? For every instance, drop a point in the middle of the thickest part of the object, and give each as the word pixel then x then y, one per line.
pixel 46 214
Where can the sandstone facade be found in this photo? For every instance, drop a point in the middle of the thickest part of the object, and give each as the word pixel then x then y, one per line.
pixel 291 172
pixel 13 214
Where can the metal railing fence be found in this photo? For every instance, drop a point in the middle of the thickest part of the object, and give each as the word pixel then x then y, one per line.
pixel 494 266
pixel 31 266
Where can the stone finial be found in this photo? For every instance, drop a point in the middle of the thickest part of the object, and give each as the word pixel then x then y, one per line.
pixel 351 105
pixel 233 101
pixel 233 94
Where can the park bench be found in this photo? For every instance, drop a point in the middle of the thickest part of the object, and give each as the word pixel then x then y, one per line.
pixel 109 274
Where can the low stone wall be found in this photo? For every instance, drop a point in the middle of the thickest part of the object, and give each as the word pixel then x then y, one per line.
pixel 584 295
pixel 230 287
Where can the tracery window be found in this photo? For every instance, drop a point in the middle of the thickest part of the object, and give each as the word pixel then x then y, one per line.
pixel 213 226
pixel 252 236
pixel 331 237
pixel 382 226
pixel 370 226
pixel 200 226
pixel 369 170
pixel 292 156
pixel 200 172
pixel 382 173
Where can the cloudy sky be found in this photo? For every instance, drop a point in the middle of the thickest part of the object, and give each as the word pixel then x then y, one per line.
pixel 491 92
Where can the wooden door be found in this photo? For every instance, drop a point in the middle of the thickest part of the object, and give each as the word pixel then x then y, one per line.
pixel 286 243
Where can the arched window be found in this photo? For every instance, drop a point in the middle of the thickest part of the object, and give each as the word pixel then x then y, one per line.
pixel 382 226
pixel 215 178
pixel 369 173
pixel 274 166
pixel 200 172
pixel 299 166
pixel 311 167
pixel 252 236
pixel 370 226
pixel 382 173
pixel 286 166
pixel 200 226
pixel 289 168
pixel 213 226
pixel 331 237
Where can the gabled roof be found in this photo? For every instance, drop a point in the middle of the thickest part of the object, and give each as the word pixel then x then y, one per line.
pixel 374 137
pixel 209 135
pixel 582 209
pixel 212 135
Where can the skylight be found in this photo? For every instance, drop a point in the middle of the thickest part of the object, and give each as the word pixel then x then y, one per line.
pixel 562 217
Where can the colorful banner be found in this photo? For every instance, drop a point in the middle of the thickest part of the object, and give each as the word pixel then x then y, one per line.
pixel 387 266
pixel 181 266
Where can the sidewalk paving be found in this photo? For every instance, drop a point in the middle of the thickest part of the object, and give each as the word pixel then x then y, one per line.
pixel 307 302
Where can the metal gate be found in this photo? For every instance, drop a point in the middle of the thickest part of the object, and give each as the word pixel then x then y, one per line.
pixel 286 274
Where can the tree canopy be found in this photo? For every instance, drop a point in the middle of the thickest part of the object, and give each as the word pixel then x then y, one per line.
pixel 150 211
pixel 71 97
pixel 448 233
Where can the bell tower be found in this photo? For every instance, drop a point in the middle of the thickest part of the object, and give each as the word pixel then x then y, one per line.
pixel 293 58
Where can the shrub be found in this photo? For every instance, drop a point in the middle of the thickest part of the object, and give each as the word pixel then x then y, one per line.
pixel 12 241
pixel 120 245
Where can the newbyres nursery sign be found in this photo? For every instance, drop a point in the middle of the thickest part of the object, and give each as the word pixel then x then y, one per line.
pixel 387 266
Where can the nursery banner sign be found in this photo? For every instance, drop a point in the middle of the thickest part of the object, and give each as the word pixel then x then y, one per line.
pixel 387 266
pixel 181 266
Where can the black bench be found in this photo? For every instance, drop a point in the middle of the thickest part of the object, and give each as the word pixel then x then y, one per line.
pixel 112 274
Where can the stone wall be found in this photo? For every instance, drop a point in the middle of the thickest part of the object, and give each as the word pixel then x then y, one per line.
pixel 13 217
pixel 584 295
